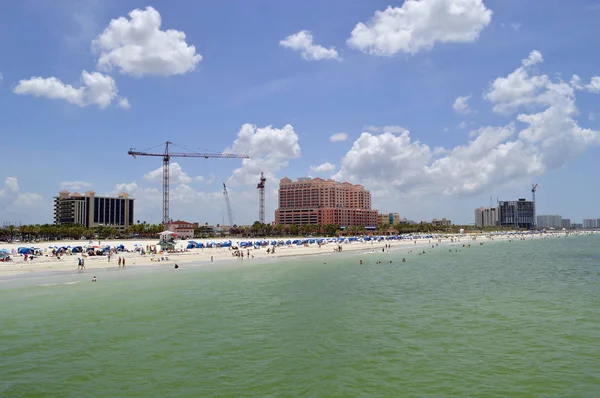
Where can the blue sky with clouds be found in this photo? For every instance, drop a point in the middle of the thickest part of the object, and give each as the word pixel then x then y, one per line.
pixel 434 105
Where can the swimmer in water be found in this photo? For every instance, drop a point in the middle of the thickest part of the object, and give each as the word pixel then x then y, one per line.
pixel 94 279
pixel 176 266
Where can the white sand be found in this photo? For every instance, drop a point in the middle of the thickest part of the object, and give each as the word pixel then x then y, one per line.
pixel 49 263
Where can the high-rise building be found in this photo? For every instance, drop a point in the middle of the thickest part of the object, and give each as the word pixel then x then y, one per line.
pixel 319 201
pixel 589 223
pixel 486 217
pixel 389 219
pixel 91 211
pixel 549 221
pixel 566 223
pixel 517 214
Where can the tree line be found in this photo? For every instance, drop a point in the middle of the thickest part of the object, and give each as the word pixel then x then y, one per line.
pixel 52 232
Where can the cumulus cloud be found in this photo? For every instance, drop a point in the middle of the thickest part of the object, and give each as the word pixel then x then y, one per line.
pixel 461 105
pixel 419 25
pixel 543 135
pixel 137 46
pixel 594 86
pixel 270 149
pixel 75 185
pixel 303 42
pixel 124 103
pixel 176 175
pixel 15 203
pixel 323 168
pixel 96 89
pixel 338 137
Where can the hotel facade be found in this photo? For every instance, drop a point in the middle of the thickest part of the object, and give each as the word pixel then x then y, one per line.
pixel 320 202
pixel 91 211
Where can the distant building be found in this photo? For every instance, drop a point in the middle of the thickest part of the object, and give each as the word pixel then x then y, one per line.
pixel 566 223
pixel 549 221
pixel 589 223
pixel 91 211
pixel 389 219
pixel 517 214
pixel 486 217
pixel 183 229
pixel 441 223
pixel 318 201
pixel 575 225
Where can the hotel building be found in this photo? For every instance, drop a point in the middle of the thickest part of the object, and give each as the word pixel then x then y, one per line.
pixel 486 217
pixel 549 221
pixel 319 201
pixel 91 211
pixel 389 219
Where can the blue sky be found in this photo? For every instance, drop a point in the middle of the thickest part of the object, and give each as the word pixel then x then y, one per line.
pixel 387 74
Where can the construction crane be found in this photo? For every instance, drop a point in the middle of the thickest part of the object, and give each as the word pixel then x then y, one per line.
pixel 533 189
pixel 166 155
pixel 229 214
pixel 261 198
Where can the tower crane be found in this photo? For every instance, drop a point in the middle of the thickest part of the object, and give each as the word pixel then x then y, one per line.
pixel 261 198
pixel 533 189
pixel 166 156
pixel 229 214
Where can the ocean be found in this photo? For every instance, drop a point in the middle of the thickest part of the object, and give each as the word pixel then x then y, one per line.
pixel 506 319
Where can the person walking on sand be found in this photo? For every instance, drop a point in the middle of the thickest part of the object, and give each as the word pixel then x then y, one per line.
pixel 123 262
pixel 119 262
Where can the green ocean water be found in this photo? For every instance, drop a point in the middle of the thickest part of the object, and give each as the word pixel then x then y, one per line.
pixel 518 319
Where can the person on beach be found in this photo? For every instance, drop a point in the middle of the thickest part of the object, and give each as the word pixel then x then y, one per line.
pixel 123 262
pixel 119 262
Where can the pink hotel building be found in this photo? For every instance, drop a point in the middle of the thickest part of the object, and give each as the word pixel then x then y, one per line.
pixel 318 201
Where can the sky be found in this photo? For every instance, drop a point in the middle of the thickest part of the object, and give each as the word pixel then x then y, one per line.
pixel 435 106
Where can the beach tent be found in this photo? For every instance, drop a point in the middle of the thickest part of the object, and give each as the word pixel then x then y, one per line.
pixel 24 250
pixel 77 249
pixel 121 248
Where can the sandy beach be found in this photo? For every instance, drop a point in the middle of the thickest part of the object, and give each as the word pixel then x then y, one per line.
pixel 47 263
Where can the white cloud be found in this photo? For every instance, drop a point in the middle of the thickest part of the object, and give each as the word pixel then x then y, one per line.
pixel 137 46
pixel 515 26
pixel 97 89
pixel 534 58
pixel 323 168
pixel 75 185
pixel 124 103
pixel 269 149
pixel 594 86
pixel 463 125
pixel 176 175
pixel 519 89
pixel 547 138
pixel 419 25
pixel 461 105
pixel 337 137
pixel 303 41
pixel 16 205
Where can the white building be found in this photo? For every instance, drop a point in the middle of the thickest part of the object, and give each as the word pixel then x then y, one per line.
pixel 549 221
pixel 486 217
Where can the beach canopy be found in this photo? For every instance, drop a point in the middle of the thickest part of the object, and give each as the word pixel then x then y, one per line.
pixel 24 250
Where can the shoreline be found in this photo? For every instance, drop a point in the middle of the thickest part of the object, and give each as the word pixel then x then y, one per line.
pixel 67 264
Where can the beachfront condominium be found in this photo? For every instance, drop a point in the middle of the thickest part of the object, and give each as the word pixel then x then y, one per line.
pixel 486 217
pixel 549 221
pixel 321 202
pixel 91 211
pixel 566 223
pixel 590 223
pixel 517 214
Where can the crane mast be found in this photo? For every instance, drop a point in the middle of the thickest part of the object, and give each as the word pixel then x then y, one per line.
pixel 229 214
pixel 166 156
pixel 533 189
pixel 261 198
